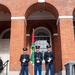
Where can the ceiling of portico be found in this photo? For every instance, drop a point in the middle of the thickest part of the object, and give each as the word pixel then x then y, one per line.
pixel 4 16
pixel 41 15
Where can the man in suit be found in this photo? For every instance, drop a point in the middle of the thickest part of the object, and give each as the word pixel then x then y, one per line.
pixel 49 57
pixel 24 59
pixel 38 61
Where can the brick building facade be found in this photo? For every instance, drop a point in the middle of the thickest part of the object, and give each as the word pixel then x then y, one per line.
pixel 18 19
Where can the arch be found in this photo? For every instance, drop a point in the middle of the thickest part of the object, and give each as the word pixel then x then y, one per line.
pixel 5 22
pixel 5 19
pixel 43 28
pixel 47 24
pixel 42 6
pixel 4 8
pixel 2 34
pixel 5 13
pixel 49 33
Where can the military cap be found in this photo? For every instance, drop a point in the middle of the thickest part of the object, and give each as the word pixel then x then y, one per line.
pixel 48 46
pixel 37 47
pixel 24 49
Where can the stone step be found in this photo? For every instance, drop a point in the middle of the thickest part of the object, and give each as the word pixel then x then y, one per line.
pixel 43 73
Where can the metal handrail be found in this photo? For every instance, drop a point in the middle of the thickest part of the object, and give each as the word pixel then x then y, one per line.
pixel 5 65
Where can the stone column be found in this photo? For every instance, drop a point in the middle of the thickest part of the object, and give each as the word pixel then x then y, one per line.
pixel 17 42
pixel 66 38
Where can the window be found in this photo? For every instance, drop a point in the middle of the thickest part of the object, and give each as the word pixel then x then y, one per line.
pixel 42 38
pixel 6 35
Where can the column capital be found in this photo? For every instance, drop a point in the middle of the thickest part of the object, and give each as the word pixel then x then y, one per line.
pixel 65 17
pixel 19 18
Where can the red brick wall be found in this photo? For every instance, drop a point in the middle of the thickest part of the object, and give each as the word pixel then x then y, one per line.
pixel 57 53
pixel 66 35
pixel 65 39
pixel 19 7
pixel 16 43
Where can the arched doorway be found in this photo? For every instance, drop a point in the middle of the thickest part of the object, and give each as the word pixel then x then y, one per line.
pixel 5 25
pixel 42 17
pixel 42 38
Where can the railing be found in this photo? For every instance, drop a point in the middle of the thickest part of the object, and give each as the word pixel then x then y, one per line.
pixel 70 68
pixel 3 66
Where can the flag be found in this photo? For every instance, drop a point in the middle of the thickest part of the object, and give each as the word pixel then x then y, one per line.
pixel 32 48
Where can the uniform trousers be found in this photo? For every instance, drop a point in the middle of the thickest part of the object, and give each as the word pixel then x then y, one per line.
pixel 25 70
pixel 51 68
pixel 37 68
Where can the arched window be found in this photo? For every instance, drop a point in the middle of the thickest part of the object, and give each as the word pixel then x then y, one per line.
pixel 42 38
pixel 6 35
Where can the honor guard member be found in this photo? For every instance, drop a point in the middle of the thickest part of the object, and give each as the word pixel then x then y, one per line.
pixel 38 61
pixel 24 59
pixel 49 57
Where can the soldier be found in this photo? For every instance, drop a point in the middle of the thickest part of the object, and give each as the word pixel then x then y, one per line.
pixel 38 61
pixel 24 59
pixel 49 57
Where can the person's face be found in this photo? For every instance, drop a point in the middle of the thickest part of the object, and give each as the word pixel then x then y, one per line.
pixel 37 50
pixel 24 52
pixel 49 49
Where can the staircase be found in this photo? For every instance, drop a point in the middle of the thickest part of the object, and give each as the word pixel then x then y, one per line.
pixel 5 65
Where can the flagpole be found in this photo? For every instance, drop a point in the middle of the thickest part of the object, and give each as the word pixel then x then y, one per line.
pixel 32 50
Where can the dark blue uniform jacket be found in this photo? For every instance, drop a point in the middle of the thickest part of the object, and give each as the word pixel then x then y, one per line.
pixel 48 55
pixel 24 56
pixel 39 56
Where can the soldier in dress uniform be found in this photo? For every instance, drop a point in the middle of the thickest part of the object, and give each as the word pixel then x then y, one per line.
pixel 24 59
pixel 38 61
pixel 49 57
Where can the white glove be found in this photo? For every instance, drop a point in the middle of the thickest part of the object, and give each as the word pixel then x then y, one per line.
pixel 37 58
pixel 49 59
pixel 38 61
pixel 24 60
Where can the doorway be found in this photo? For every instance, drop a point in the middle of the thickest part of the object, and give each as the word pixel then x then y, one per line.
pixel 42 38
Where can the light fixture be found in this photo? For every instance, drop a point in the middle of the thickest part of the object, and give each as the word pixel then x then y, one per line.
pixel 41 1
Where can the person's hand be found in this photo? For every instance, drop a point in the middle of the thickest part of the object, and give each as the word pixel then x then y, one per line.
pixel 24 60
pixel 49 59
pixel 38 61
pixel 37 58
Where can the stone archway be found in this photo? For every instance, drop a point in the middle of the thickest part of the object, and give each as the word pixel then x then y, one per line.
pixel 41 6
pixel 5 25
pixel 50 23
